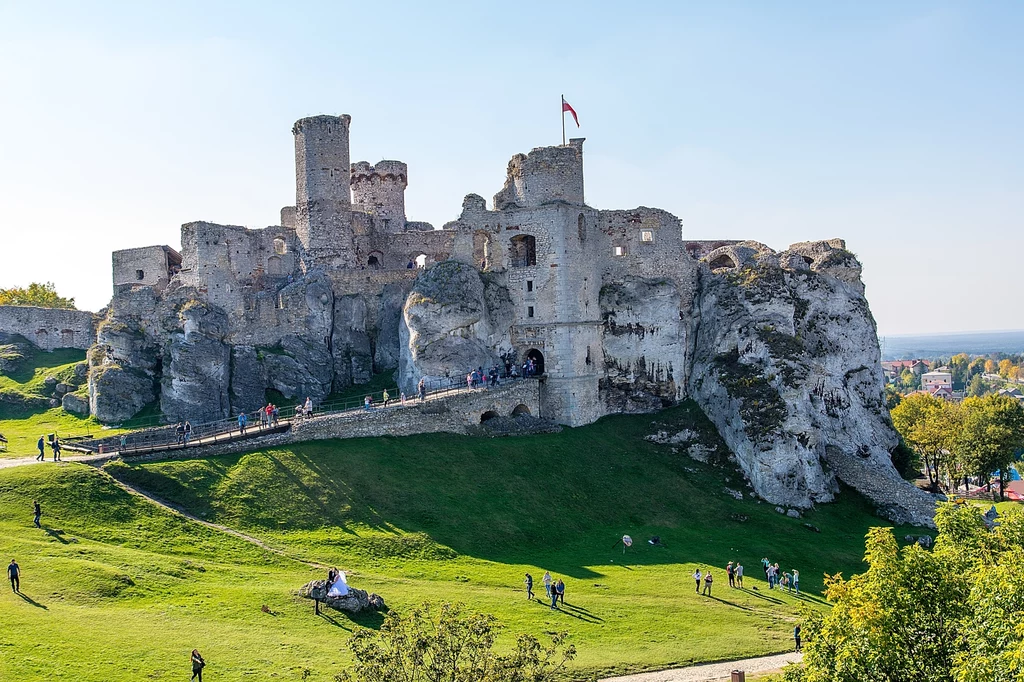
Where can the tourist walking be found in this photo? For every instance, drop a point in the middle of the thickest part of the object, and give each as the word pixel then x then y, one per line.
pixel 188 431
pixel 242 421
pixel 42 449
pixel 14 573
pixel 529 586
pixel 367 401
pixel 197 665
pixel 554 596
pixel 37 512
pixel 55 445
pixel 547 583
pixel 697 576
pixel 796 581
pixel 179 431
pixel 796 637
pixel 308 406
pixel 739 574
pixel 401 397
pixel 422 388
pixel 387 397
pixel 264 419
pixel 707 583
pixel 560 591
pixel 729 573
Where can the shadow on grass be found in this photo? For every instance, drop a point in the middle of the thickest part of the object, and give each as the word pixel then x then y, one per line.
pixel 760 595
pixel 32 601
pixel 57 535
pixel 730 603
pixel 368 619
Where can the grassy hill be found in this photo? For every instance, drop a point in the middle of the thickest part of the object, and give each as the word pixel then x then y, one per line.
pixel 125 590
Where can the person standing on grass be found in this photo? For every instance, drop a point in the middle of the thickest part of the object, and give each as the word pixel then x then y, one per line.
pixel 14 573
pixel 765 564
pixel 387 397
pixel 739 574
pixel 796 637
pixel 728 572
pixel 697 575
pixel 796 581
pixel 197 665
pixel 547 583
pixel 553 593
pixel 42 449
pixel 37 511
pixel 242 421
pixel 560 591
pixel 707 583
pixel 529 586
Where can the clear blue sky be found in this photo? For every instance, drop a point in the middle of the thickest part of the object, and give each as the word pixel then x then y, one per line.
pixel 894 125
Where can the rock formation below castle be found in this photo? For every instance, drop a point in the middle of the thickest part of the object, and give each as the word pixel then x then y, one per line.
pixel 617 311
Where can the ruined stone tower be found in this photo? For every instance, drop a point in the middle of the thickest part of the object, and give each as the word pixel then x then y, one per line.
pixel 323 204
pixel 379 191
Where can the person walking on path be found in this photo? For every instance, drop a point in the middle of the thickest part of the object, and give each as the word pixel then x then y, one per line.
pixel 242 421
pixel 37 511
pixel 707 583
pixel 422 388
pixel 560 591
pixel 529 586
pixel 729 573
pixel 366 402
pixel 188 432
pixel 42 449
pixel 14 573
pixel 547 583
pixel 697 575
pixel 739 574
pixel 387 397
pixel 197 665
pixel 308 406
pixel 179 431
pixel 796 637
pixel 55 444
pixel 796 581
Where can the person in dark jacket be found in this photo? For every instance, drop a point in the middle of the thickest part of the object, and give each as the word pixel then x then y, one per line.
pixel 197 665
pixel 42 449
pixel 14 573
pixel 37 512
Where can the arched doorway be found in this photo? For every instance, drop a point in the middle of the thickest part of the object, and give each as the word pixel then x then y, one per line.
pixel 520 409
pixel 488 415
pixel 376 260
pixel 538 361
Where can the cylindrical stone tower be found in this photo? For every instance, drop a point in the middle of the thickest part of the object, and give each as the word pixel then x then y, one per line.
pixel 323 205
pixel 379 191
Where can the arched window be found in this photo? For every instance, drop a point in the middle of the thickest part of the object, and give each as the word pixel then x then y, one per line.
pixel 523 250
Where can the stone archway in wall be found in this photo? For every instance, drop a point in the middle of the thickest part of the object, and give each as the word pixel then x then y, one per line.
pixel 722 262
pixel 520 409
pixel 375 261
pixel 488 415
pixel 538 361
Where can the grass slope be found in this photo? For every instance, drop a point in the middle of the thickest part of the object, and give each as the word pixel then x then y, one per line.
pixel 434 517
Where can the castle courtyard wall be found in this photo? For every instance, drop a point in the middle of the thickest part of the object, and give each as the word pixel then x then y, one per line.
pixel 49 328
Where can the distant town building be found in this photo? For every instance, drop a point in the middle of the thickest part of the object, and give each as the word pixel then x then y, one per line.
pixel 935 381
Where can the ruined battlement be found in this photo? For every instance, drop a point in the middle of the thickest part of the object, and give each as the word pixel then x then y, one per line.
pixel 545 175
pixel 379 191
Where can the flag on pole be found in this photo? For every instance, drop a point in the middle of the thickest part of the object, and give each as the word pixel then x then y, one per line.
pixel 568 107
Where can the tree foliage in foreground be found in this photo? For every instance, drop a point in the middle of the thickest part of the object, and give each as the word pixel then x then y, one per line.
pixel 450 647
pixel 36 294
pixel 951 614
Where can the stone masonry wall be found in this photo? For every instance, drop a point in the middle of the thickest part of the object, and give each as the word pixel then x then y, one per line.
pixel 49 328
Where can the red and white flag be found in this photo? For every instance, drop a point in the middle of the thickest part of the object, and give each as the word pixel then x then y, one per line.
pixel 568 107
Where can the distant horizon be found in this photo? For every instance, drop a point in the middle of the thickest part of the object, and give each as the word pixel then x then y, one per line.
pixel 954 333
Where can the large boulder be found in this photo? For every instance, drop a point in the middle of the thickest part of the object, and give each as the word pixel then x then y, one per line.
pixel 786 364
pixel 75 404
pixel 355 601
pixel 452 321
pixel 117 393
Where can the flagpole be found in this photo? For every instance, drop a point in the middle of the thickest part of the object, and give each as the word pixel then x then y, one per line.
pixel 562 109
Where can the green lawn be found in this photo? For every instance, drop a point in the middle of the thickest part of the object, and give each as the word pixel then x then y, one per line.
pixel 126 590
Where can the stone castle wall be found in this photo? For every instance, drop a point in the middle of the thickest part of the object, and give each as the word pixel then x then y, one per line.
pixel 49 328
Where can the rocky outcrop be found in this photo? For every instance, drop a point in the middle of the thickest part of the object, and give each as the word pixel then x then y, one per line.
pixel 356 601
pixel 452 320
pixel 196 382
pixel 75 404
pixel 786 364
pixel 123 367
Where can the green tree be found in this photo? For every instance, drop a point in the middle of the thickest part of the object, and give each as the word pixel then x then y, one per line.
pixel 977 386
pixel 924 422
pixel 36 294
pixel 951 614
pixel 990 436
pixel 450 647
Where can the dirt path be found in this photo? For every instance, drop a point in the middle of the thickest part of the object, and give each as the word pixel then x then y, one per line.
pixel 11 462
pixel 175 509
pixel 712 672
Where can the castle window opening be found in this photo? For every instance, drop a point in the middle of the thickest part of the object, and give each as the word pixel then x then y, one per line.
pixel 376 260
pixel 140 275
pixel 421 261
pixel 619 250
pixel 581 227
pixel 529 311
pixel 529 285
pixel 523 250
pixel 280 247
pixel 646 236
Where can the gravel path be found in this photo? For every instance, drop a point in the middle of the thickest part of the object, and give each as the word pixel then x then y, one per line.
pixel 712 672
